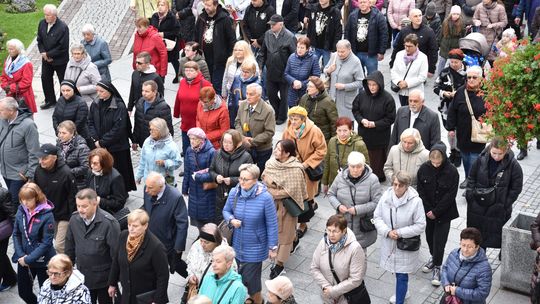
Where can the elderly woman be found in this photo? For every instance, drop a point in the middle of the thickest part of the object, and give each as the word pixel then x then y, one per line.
pixel 197 183
pixel 248 75
pixel 311 148
pixel 17 75
pixel 241 52
pixel 410 69
pixel 497 170
pixel 212 115
pixel 250 209
pixel 280 291
pixel 140 264
pixel 339 148
pixel 346 75
pixel 490 17
pixel 284 178
pixel 355 193
pixel 301 65
pixel 70 106
pixel 109 127
pixel 64 284
pixel 225 167
pixel 466 272
pixel 98 50
pixel 168 27
pixel 74 151
pixel 148 40
pixel 400 219
pixel 320 107
pixel 375 111
pixel 106 181
pixel 406 156
pixel 83 73
pixel 159 153
pixel 193 52
pixel 33 245
pixel 339 263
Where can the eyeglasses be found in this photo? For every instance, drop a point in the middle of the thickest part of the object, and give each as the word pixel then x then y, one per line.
pixel 139 62
pixel 55 274
pixel 333 231
pixel 472 77
pixel 243 179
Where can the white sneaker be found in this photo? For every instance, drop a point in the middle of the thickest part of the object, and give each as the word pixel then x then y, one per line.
pixel 428 267
pixel 436 277
pixel 393 298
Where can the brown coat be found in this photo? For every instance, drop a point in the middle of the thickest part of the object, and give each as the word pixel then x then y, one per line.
pixel 311 148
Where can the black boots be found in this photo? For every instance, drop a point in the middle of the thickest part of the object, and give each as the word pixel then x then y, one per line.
pixel 522 154
pixel 455 158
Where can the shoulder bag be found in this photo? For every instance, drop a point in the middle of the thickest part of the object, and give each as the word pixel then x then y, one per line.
pixel 486 196
pixel 355 296
pixel 394 87
pixel 292 207
pixel 366 222
pixel 480 131
pixel 225 227
pixel 6 229
pixel 406 244
pixel 314 174
pixel 121 216
pixel 192 290
pixel 447 298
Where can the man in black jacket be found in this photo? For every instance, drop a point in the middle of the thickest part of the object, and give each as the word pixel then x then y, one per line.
pixel 324 29
pixel 149 106
pixel 278 44
pixel 288 9
pixel 145 71
pixel 255 22
pixel 427 41
pixel 54 177
pixel 91 243
pixel 53 44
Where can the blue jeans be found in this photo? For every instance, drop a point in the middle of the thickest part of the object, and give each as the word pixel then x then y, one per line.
pixel 185 143
pixel 369 63
pixel 13 187
pixel 402 283
pixel 468 160
pixel 325 56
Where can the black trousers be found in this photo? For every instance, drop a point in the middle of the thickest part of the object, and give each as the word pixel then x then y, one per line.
pixel 8 277
pixel 436 236
pixel 47 81
pixel 26 277
pixel 101 295
pixel 279 104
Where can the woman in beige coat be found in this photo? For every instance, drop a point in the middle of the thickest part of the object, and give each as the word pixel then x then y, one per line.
pixel 348 260
pixel 490 17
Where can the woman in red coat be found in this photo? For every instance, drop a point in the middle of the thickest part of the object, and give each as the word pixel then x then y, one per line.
pixel 187 99
pixel 17 75
pixel 147 39
pixel 212 116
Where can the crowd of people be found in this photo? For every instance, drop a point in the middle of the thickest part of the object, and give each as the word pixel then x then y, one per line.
pixel 242 69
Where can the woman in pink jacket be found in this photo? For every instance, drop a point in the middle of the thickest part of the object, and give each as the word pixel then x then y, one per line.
pixel 397 10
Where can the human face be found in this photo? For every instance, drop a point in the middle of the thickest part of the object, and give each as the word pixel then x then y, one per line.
pixel 141 29
pixel 227 143
pixel 77 55
pixel 152 187
pixel 49 16
pixel 311 89
pixel 195 142
pixel 301 49
pixel 436 162
pixel 276 28
pixel 220 265
pixel 416 18
pixel 356 170
pixel 246 180
pixel 399 189
pixel 252 96
pixel 272 298
pixel 29 203
pixel 190 73
pixel 415 102
pixel 373 86
pixel 207 103
pixel 455 16
pixel 487 2
pixel 456 64
pixel 343 52
pixel 364 5
pixel 189 52
pixel 335 234
pixel 279 154
pixel 474 80
pixel 47 162
pixel 135 228
pixel 239 53
pixel 67 91
pixel 86 208
pixel 296 121
pixel 102 93
pixel 148 94
pixel 95 164
pixel 162 7
pixel 210 8
pixel 12 51
pixel 64 135
pixel 324 3
pixel 154 132
pixel 257 3
pixel 468 247
pixel 208 246
pixel 343 132
pixel 410 48
pixel 408 144
pixel 497 154
pixel 141 65
pixel 246 73
pixel 88 37
pixel 5 113
pixel 57 276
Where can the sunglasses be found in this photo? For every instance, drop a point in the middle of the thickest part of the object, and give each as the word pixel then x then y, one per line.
pixel 472 77
pixel 139 62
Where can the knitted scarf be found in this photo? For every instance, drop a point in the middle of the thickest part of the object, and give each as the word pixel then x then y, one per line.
pixel 132 246
pixel 410 58
pixel 288 175
pixel 338 245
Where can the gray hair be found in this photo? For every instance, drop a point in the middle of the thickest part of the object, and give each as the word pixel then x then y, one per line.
pixel 252 169
pixel 51 8
pixel 411 132
pixel 475 69
pixel 200 299
pixel 343 43
pixel 156 177
pixel 419 92
pixel 10 103
pixel 87 193
pixel 226 250
pixel 161 124
pixel 17 44
pixel 88 28
pixel 356 158
pixel 403 177
pixel 255 86
pixel 78 47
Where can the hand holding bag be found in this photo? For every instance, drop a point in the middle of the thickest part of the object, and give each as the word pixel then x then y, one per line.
pixel 447 298
pixel 292 207
pixel 406 244
pixel 225 227
pixel 481 132
pixel 355 296
pixel 487 196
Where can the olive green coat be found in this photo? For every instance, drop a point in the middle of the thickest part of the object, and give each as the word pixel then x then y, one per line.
pixel 332 168
pixel 322 111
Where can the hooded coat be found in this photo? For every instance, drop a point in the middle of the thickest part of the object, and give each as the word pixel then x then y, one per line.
pixel 408 218
pixel 137 80
pixel 74 109
pixel 187 101
pixel 74 291
pixel 152 43
pixel 300 68
pixel 322 111
pixel 363 196
pixel 438 186
pixel 427 123
pixel 108 123
pixel 19 81
pixel 335 159
pixel 489 217
pixel 215 288
pixel 76 158
pixel 214 122
pixel 399 160
pixel 379 108
pixel 86 75
pixel 143 116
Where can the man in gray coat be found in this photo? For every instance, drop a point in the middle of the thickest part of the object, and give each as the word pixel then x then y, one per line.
pixel 19 144
pixel 91 242
pixel 417 115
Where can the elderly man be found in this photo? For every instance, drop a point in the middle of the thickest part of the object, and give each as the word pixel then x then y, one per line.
pixel 278 44
pixel 417 115
pixel 91 242
pixel 19 144
pixel 256 121
pixel 53 44
pixel 54 177
pixel 98 50
pixel 168 216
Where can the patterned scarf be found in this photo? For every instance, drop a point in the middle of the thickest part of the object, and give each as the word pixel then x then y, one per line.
pixel 288 175
pixel 298 132
pixel 132 246
pixel 337 246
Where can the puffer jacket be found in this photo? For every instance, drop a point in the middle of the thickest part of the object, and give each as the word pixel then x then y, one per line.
pixel 33 235
pixel 322 111
pixel 74 291
pixel 201 202
pixel 438 186
pixel 349 263
pixel 199 59
pixel 489 217
pixel 232 70
pixel 408 218
pixel 76 157
pixel 152 43
pixel 379 108
pixel 238 93
pixel 300 68
pixel 336 156
pixel 158 108
pixel 214 288
pixel 473 277
pixel 493 14
pixel 74 109
pixel 187 101
pixel 259 230
pixel 397 10
pixel 152 150
pixel 184 10
pixel 399 160
pixel 363 196
pixel 86 75
pixel 214 122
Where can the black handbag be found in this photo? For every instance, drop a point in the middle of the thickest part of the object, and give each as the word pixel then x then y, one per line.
pixel 292 207
pixel 121 216
pixel 366 222
pixel 359 295
pixel 406 244
pixel 394 87
pixel 225 227
pixel 314 174
pixel 487 196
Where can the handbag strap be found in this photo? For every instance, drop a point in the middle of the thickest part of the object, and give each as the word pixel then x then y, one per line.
pixel 469 103
pixel 204 273
pixel 407 72
pixel 332 266
pixel 498 178
pixel 297 152
pixel 463 277
pixel 224 292
pixel 391 220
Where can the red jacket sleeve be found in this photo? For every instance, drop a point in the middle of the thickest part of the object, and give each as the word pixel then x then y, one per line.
pixel 26 80
pixel 162 50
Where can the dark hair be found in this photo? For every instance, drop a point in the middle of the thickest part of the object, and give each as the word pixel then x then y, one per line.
pixel 319 84
pixel 471 233
pixel 305 41
pixel 412 38
pixel 87 193
pixel 207 93
pixel 344 121
pixel 194 46
pixel 105 159
pixel 451 28
pixel 152 84
pixel 287 146
pixel 337 220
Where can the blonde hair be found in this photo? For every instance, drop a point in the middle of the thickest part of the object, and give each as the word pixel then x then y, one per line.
pixel 61 261
pixel 248 54
pixel 138 215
